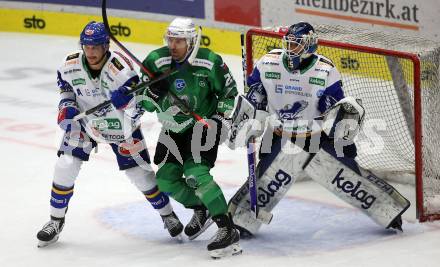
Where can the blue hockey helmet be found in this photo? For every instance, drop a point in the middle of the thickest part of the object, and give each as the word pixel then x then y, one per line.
pixel 299 42
pixel 94 33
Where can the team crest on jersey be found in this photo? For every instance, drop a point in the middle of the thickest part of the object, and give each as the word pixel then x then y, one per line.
pixel 180 84
pixel 202 83
pixel 291 112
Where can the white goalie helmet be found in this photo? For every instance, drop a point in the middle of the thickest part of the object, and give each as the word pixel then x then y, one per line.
pixel 299 42
pixel 182 28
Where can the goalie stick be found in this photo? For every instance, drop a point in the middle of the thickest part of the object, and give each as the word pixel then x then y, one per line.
pixel 143 85
pixel 252 179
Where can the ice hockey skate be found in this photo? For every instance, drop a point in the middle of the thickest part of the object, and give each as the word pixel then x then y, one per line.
pixel 226 240
pixel 199 222
pixel 50 232
pixel 172 223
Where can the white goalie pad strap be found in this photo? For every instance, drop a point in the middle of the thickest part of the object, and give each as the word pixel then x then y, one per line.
pixel 344 119
pixel 244 111
pixel 375 197
pixel 275 175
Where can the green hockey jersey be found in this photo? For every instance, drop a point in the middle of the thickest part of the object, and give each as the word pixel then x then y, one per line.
pixel 207 87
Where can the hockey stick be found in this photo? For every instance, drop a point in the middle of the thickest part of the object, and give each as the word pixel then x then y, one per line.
pixel 252 179
pixel 163 76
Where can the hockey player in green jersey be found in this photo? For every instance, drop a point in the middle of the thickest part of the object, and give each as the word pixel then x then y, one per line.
pixel 187 150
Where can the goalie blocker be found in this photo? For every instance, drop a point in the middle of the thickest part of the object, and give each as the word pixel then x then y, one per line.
pixel 339 174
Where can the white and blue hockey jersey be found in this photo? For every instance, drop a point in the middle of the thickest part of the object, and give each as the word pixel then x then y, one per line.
pixel 79 88
pixel 303 94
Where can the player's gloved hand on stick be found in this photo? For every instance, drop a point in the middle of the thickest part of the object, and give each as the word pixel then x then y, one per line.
pixel 120 98
pixel 158 89
pixel 66 114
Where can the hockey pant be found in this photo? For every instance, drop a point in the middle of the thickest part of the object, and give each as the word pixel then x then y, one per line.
pixel 191 184
pixel 185 162
pixel 136 168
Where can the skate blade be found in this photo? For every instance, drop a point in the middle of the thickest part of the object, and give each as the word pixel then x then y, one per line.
pixel 232 250
pixel 206 226
pixel 42 244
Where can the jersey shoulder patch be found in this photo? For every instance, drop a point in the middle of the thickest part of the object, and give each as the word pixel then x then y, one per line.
pixel 72 56
pixel 326 61
pixel 162 61
pixel 125 59
pixel 117 64
pixel 275 52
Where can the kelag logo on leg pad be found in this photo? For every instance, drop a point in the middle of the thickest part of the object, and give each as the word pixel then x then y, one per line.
pixel 354 191
pixel 265 194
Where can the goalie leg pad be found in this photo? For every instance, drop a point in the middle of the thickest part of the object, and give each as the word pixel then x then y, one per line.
pixel 275 175
pixel 372 195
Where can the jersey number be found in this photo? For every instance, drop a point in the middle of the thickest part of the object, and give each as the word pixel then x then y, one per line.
pixel 228 78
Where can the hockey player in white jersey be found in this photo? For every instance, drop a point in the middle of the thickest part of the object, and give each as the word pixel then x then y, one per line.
pixel 87 78
pixel 296 96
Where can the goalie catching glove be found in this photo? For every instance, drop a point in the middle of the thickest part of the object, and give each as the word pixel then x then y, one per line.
pixel 344 119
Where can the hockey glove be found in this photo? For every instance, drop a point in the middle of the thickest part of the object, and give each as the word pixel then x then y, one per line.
pixel 158 90
pixel 120 98
pixel 67 111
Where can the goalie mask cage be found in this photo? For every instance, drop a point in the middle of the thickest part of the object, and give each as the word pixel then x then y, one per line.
pixel 397 79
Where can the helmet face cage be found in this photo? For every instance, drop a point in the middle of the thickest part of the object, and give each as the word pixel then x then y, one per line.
pixel 299 42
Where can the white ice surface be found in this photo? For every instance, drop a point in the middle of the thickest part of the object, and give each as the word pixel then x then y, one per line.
pixel 110 224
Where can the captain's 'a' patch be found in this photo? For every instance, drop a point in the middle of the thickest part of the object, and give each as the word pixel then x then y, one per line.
pixel 117 64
